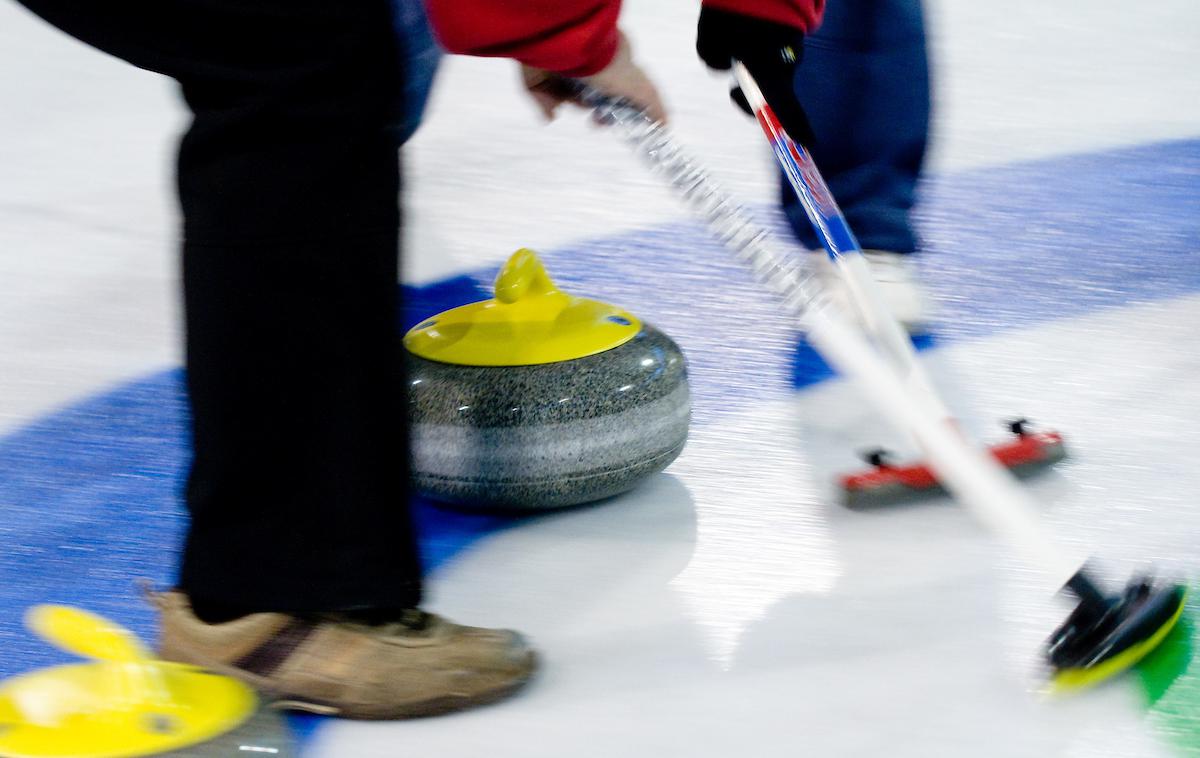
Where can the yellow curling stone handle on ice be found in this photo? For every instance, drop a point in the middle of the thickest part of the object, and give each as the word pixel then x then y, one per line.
pixel 125 703
pixel 529 322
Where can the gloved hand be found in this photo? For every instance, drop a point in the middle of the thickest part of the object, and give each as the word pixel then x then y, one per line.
pixel 770 51
pixel 622 78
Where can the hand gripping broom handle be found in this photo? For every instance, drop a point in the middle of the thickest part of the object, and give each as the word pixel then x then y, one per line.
pixel 973 477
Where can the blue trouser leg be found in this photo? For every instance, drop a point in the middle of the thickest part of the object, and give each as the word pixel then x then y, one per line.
pixel 865 84
pixel 419 57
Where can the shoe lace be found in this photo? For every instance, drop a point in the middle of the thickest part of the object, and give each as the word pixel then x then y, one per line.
pixel 402 623
pixel 415 619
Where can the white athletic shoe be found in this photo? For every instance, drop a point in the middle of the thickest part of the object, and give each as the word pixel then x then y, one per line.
pixel 897 280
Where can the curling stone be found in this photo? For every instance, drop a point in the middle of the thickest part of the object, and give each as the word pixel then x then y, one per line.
pixel 126 703
pixel 537 399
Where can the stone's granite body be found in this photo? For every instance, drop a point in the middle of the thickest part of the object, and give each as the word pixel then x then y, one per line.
pixel 548 436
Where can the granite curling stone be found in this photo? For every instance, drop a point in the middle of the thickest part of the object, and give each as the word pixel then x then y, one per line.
pixel 537 399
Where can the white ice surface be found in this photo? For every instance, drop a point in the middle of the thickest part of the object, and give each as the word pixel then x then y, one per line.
pixel 727 608
pixel 1013 81
pixel 690 618
pixel 87 216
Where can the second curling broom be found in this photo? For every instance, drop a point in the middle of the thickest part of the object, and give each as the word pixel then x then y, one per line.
pixel 1106 633
pixel 886 482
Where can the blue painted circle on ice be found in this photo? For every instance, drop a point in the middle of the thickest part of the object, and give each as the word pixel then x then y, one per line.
pixel 89 495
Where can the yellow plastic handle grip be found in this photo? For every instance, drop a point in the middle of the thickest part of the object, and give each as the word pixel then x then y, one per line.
pixel 85 634
pixel 523 276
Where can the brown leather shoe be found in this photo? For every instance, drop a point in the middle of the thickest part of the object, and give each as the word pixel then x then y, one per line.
pixel 420 666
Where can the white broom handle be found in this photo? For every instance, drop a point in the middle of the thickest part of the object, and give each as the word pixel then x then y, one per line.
pixel 971 475
pixel 981 484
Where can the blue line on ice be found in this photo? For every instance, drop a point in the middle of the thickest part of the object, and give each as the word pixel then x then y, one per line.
pixel 89 494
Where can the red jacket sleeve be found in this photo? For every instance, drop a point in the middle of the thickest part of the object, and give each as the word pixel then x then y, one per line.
pixel 570 37
pixel 802 14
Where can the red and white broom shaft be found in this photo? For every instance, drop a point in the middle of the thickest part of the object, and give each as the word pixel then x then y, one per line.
pixel 840 243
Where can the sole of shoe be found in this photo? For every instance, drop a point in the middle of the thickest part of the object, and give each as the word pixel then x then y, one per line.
pixel 423 709
pixel 281 700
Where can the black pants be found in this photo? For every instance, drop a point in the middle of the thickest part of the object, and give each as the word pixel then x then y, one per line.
pixel 288 182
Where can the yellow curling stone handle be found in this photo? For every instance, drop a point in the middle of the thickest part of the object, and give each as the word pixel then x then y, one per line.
pixel 124 704
pixel 529 322
pixel 85 634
